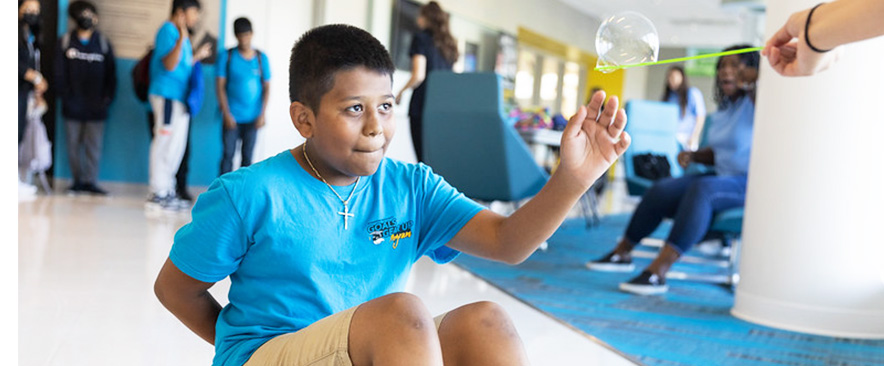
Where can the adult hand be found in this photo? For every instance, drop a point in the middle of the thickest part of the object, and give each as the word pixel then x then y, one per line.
pixel 684 158
pixel 229 121
pixel 399 97
pixel 181 24
pixel 593 140
pixel 203 52
pixel 788 53
pixel 259 122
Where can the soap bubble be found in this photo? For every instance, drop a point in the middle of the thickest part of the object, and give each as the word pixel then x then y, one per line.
pixel 626 38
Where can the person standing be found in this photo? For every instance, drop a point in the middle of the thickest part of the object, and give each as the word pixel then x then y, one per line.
pixel 433 48
pixel 243 87
pixel 691 107
pixel 170 71
pixel 30 80
pixel 86 80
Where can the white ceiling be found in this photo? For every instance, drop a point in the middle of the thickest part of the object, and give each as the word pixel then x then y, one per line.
pixel 688 23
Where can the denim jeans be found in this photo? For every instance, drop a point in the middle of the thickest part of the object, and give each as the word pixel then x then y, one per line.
pixel 245 132
pixel 691 201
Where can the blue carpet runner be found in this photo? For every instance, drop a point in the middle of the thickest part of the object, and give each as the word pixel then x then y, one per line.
pixel 690 325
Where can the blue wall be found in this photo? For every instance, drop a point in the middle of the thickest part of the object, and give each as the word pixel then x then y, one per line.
pixel 127 136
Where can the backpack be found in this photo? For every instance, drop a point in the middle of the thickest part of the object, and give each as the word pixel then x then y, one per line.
pixel 257 54
pixel 141 76
pixel 651 166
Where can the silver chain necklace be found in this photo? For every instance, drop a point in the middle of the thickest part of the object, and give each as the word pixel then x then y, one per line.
pixel 346 213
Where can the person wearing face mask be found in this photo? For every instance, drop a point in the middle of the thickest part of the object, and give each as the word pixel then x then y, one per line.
pixel 86 80
pixel 693 200
pixel 31 83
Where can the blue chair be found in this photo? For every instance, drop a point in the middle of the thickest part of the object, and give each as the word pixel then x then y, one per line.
pixel 652 126
pixel 468 141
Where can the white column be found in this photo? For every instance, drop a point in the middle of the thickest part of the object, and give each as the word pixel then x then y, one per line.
pixel 813 253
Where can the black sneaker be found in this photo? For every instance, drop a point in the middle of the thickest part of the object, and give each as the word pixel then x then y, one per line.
pixel 184 196
pixel 93 189
pixel 646 283
pixel 75 188
pixel 612 262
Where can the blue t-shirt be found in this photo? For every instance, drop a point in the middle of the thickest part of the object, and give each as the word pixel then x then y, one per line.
pixel 164 83
pixel 695 107
pixel 276 231
pixel 730 136
pixel 244 84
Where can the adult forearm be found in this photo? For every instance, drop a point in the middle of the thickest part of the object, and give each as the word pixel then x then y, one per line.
pixel 846 21
pixel 221 91
pixel 522 232
pixel 170 61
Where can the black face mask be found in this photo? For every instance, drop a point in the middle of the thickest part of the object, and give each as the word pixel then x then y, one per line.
pixel 85 23
pixel 31 19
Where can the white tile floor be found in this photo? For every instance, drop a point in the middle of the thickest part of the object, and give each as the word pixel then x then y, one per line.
pixel 86 270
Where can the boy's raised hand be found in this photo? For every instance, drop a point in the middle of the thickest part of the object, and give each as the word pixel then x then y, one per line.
pixel 593 140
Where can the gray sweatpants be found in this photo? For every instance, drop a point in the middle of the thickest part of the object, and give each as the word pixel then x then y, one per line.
pixel 84 140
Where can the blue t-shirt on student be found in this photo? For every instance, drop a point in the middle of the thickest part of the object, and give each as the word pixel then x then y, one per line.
pixel 730 136
pixel 695 107
pixel 244 84
pixel 164 83
pixel 276 231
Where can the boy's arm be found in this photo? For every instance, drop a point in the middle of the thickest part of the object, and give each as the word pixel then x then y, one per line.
pixel 590 144
pixel 189 300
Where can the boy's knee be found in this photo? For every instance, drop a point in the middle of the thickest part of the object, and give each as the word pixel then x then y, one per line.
pixel 479 317
pixel 402 310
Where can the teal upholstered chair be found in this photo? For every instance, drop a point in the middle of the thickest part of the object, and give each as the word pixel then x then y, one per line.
pixel 467 140
pixel 652 126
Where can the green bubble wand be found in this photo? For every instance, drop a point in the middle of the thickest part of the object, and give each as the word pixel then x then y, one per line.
pixel 609 68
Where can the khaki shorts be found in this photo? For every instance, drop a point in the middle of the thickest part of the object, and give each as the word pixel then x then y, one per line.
pixel 323 343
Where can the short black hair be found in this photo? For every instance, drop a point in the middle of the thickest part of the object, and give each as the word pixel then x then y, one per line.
pixel 325 50
pixel 185 4
pixel 77 7
pixel 242 25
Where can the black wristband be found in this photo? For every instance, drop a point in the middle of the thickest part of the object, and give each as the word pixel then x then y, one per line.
pixel 807 28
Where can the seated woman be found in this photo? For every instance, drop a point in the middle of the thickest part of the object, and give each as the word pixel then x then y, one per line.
pixel 693 200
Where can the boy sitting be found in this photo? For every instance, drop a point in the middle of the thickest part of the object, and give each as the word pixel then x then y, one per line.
pixel 317 255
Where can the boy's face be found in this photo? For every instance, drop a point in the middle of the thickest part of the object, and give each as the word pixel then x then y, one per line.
pixel 191 16
pixel 354 124
pixel 244 39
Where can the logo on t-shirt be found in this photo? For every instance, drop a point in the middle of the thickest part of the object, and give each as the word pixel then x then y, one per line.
pixel 389 229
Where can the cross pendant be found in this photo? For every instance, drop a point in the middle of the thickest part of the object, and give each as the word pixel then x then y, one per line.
pixel 346 214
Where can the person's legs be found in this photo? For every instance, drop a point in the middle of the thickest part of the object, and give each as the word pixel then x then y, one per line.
pixel 247 134
pixel 228 138
pixel 482 334
pixel 417 136
pixel 168 145
pixel 22 115
pixel 659 202
pixel 74 131
pixel 705 197
pixel 93 139
pixel 184 166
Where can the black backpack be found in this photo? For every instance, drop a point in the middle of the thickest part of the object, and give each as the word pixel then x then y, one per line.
pixel 651 166
pixel 257 54
pixel 141 76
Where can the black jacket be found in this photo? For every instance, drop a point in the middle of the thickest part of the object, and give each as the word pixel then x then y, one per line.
pixel 27 59
pixel 85 77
